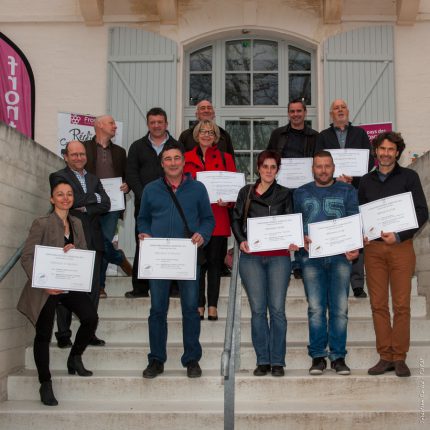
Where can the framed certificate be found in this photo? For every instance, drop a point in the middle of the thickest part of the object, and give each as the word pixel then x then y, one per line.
pixel 69 271
pixel 164 258
pixel 335 236
pixel 222 185
pixel 274 232
pixel 295 172
pixel 389 214
pixel 112 188
pixel 350 162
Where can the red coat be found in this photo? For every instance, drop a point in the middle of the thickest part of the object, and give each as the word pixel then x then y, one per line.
pixel 213 161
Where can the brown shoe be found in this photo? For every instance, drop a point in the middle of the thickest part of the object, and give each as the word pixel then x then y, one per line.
pixel 103 294
pixel 381 367
pixel 125 265
pixel 401 368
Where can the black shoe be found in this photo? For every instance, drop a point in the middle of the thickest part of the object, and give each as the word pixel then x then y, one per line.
pixel 262 369
pixel 318 366
pixel 297 273
pixel 359 293
pixel 193 369
pixel 340 367
pixel 95 341
pixel 64 342
pixel 75 365
pixel 225 272
pixel 278 371
pixel 153 369
pixel 135 294
pixel 47 395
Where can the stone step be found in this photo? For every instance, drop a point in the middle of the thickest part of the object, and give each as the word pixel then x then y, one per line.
pixel 250 415
pixel 297 384
pixel 120 330
pixel 295 307
pixel 133 356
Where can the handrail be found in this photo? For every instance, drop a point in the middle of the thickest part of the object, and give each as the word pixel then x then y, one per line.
pixel 230 358
pixel 11 262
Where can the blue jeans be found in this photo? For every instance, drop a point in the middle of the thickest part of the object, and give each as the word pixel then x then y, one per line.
pixel 266 281
pixel 157 321
pixel 326 281
pixel 108 223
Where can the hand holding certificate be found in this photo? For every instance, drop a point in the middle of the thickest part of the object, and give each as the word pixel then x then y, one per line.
pixel 274 232
pixel 336 236
pixel 164 258
pixel 68 271
pixel 389 214
pixel 222 185
pixel 112 187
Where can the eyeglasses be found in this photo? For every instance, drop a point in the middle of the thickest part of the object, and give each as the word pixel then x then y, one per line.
pixel 206 132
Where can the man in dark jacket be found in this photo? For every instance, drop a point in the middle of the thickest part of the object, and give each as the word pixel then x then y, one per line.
pixel 205 111
pixel 143 166
pixel 343 135
pixel 390 259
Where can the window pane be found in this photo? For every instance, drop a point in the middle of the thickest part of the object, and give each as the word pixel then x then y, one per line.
pixel 265 55
pixel 201 60
pixel 262 132
pixel 298 59
pixel 237 89
pixel 240 132
pixel 238 55
pixel 243 164
pixel 300 87
pixel 200 88
pixel 265 89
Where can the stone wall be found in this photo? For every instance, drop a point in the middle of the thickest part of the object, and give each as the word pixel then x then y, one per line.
pixel 24 169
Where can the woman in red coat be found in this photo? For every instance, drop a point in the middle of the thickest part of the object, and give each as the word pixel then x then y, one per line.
pixel 206 157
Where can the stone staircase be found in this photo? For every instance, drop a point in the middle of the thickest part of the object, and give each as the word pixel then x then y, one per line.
pixel 117 397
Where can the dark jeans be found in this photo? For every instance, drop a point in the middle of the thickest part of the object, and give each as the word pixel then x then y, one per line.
pixel 78 303
pixel 357 272
pixel 215 252
pixel 139 285
pixel 64 316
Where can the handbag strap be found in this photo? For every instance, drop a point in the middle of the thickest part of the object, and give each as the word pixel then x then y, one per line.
pixel 179 208
pixel 247 204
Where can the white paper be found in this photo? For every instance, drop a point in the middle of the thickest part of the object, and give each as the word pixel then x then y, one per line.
pixel 350 162
pixel 336 236
pixel 69 271
pixel 112 188
pixel 295 172
pixel 274 232
pixel 164 258
pixel 389 214
pixel 221 184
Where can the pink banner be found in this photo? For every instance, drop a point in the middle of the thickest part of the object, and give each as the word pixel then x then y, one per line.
pixel 16 88
pixel 373 130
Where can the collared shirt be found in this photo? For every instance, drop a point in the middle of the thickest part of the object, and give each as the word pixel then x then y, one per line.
pixel 104 163
pixel 158 148
pixel 81 179
pixel 172 186
pixel 341 135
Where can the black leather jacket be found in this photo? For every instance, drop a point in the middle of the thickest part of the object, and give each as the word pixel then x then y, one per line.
pixel 275 201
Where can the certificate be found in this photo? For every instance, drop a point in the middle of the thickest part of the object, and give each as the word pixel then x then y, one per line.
pixel 268 233
pixel 222 185
pixel 163 258
pixel 112 188
pixel 389 214
pixel 295 172
pixel 350 162
pixel 69 271
pixel 335 236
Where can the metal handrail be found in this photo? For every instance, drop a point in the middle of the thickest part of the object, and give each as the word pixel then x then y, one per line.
pixel 11 262
pixel 230 358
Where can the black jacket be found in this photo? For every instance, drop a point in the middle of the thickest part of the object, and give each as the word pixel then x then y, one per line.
pixel 279 138
pixel 143 166
pixel 400 180
pixel 275 201
pixel 356 138
pixel 224 144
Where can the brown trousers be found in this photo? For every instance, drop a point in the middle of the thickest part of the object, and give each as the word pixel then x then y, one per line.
pixel 390 266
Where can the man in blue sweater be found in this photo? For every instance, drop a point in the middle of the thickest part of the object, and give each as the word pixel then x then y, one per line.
pixel 159 217
pixel 326 279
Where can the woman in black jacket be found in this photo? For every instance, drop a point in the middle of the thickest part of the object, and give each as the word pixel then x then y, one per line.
pixel 265 275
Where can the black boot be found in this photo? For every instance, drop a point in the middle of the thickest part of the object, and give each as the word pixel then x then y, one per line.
pixel 47 395
pixel 75 365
